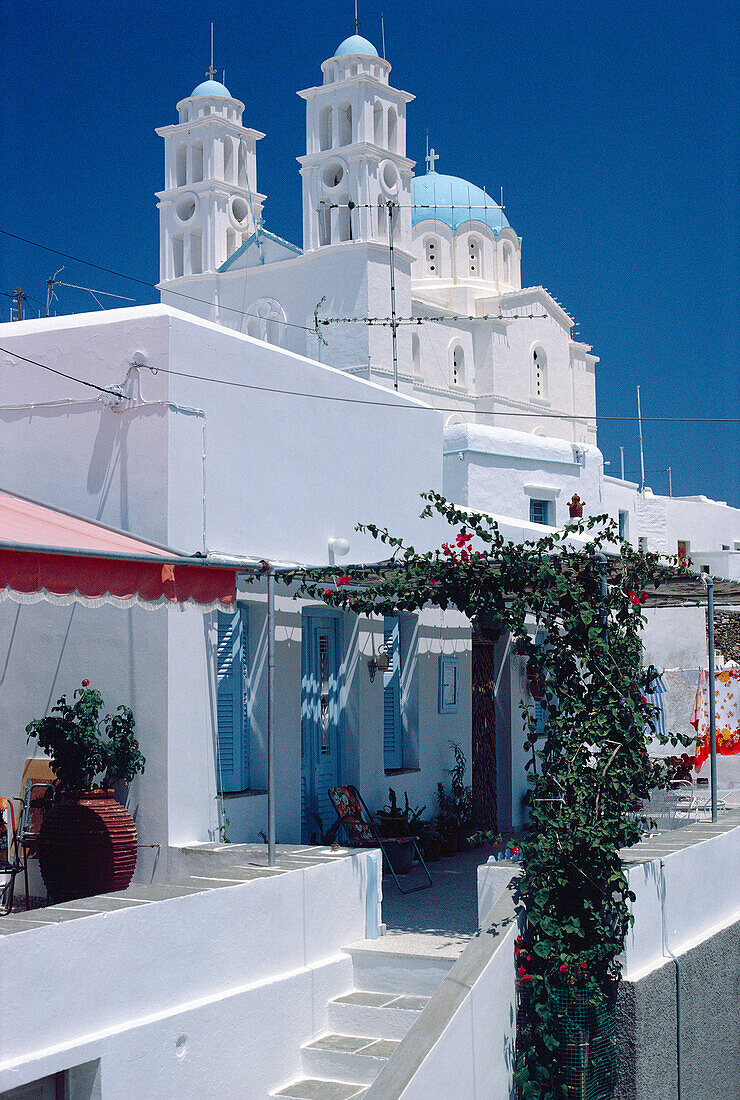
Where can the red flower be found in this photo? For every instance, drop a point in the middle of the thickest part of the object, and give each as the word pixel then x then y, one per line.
pixel 527 978
pixel 464 555
pixel 86 683
pixel 563 967
pixel 446 550
pixel 328 591
pixel 643 597
pixel 345 579
pixel 521 971
pixel 529 958
pixel 583 965
pixel 435 582
pixel 633 597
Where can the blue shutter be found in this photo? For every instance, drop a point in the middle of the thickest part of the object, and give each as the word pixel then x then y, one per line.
pixel 392 735
pixel 230 703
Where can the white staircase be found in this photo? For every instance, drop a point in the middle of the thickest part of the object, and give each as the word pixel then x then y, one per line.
pixel 391 988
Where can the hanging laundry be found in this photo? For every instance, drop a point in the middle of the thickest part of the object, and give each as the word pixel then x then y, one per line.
pixel 726 709
pixel 656 696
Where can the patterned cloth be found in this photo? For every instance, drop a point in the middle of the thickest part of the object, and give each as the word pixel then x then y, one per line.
pixel 727 713
pixel 349 808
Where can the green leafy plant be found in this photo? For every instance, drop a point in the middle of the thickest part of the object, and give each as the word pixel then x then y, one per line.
pixel 83 747
pixel 588 771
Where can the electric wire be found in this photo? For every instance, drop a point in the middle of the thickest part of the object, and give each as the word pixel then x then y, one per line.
pixel 366 401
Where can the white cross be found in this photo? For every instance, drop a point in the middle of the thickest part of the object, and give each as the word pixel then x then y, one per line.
pixel 431 157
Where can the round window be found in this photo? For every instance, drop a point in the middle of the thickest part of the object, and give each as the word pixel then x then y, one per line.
pixel 239 210
pixel 389 177
pixel 332 175
pixel 185 207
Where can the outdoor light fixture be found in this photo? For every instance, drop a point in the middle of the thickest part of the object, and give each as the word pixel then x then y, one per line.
pixel 339 548
pixel 379 663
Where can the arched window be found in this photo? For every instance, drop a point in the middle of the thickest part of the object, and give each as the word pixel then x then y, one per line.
pixel 539 373
pixel 353 69
pixel 458 366
pixel 378 124
pixel 242 174
pixel 345 124
pixel 329 75
pixel 507 256
pixel 343 218
pixel 392 130
pixel 228 160
pixel 324 224
pixel 266 321
pixel 325 129
pixel 178 253
pixel 181 162
pixel 431 257
pixel 197 161
pixel 416 355
pixel 474 256
pixel 196 254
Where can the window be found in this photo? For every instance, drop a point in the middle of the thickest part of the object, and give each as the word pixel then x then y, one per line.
pixel 623 525
pixel 325 129
pixel 474 253
pixel 228 160
pixel 197 161
pixel 431 256
pixel 325 224
pixel 507 254
pixel 345 125
pixel 392 129
pixel 539 374
pixel 683 549
pixel 539 511
pixel 196 254
pixel 458 366
pixel 416 357
pixel 392 725
pixel 449 684
pixel 178 255
pixel 232 764
pixel 181 160
pixel 378 123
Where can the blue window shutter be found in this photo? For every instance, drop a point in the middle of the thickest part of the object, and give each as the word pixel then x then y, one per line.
pixel 392 736
pixel 230 704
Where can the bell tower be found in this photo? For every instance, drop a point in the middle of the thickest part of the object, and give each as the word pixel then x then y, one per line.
pixel 355 160
pixel 210 203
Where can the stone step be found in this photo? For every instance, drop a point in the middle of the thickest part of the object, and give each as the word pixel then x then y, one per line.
pixel 376 970
pixel 354 1059
pixel 367 1012
pixel 314 1088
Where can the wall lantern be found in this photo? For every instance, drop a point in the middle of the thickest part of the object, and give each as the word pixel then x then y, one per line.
pixel 380 663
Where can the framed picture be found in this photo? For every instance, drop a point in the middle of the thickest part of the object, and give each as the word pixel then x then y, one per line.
pixel 449 684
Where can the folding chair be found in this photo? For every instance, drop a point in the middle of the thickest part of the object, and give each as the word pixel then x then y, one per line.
pixel 21 837
pixel 362 831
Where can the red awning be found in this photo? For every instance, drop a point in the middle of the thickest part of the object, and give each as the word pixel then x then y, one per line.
pixel 50 555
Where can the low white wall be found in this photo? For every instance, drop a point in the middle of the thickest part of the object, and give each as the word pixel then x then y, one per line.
pixel 183 997
pixel 463 1043
pixel 700 889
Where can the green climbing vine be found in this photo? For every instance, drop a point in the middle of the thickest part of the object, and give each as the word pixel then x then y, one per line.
pixel 577 618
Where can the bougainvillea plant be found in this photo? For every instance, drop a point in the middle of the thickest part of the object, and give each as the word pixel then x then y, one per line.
pixel 589 770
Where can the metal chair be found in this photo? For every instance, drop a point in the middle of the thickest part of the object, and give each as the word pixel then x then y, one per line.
pixel 362 832
pixel 21 837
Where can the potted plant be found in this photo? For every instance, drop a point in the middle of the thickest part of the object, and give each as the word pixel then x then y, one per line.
pixel 87 841
pixel 391 821
pixel 456 806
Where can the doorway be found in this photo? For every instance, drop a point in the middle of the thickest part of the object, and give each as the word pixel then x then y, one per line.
pixel 320 721
pixel 484 727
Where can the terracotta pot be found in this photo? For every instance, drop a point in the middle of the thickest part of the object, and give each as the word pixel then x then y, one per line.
pixel 87 846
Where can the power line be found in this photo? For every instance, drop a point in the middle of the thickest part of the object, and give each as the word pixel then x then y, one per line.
pixel 366 401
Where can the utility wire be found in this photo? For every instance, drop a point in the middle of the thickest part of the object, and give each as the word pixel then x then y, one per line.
pixel 366 401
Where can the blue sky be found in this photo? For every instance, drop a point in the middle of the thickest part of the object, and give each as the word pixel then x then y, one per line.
pixel 610 125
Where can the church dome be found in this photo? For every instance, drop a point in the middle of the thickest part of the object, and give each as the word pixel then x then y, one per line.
pixel 459 202
pixel 356 45
pixel 211 87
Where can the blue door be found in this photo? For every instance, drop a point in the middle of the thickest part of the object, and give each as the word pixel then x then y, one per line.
pixel 320 725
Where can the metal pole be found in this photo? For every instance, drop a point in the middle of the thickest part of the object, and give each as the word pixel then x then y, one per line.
pixel 270 717
pixel 712 720
pixel 19 304
pixel 394 325
pixel 670 481
pixel 642 457
pixel 621 455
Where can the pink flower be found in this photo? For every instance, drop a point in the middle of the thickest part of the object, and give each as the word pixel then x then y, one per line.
pixel 521 971
pixel 328 592
pixel 86 683
pixel 434 582
pixel 563 967
pixel 527 978
pixel 583 965
pixel 633 597
pixel 344 579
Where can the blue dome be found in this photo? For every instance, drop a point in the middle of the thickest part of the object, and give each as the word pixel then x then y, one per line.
pixel 469 202
pixel 211 87
pixel 357 45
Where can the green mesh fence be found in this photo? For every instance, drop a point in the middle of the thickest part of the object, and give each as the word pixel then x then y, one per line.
pixel 586 1033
